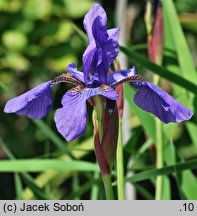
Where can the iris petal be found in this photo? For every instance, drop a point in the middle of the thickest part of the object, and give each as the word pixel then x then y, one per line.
pixel 114 33
pixel 87 61
pixel 99 31
pixel 71 118
pixel 107 48
pixel 72 69
pixel 103 47
pixel 119 76
pixel 153 99
pixel 89 18
pixel 35 103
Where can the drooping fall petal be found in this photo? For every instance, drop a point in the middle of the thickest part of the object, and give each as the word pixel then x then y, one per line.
pixel 71 118
pixel 153 99
pixel 34 104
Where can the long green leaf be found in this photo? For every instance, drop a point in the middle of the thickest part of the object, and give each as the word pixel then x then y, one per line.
pixel 51 135
pixel 176 41
pixel 45 165
pixel 38 192
pixel 183 52
pixel 186 181
pixel 192 164
pixel 161 71
pixel 19 187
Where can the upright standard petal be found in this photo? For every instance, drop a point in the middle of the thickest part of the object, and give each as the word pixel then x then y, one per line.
pixel 34 104
pixel 89 18
pixel 107 48
pixel 103 47
pixel 153 99
pixel 91 60
pixel 71 118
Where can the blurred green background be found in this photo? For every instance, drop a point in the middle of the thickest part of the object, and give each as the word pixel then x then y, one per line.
pixel 38 39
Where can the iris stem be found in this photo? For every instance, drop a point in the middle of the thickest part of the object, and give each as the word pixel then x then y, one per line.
pixel 159 160
pixel 95 188
pixel 120 164
pixel 159 153
pixel 108 187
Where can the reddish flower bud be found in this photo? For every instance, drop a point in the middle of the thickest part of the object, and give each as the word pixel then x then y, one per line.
pixel 120 101
pixel 103 164
pixel 106 149
pixel 156 40
pixel 120 90
pixel 110 135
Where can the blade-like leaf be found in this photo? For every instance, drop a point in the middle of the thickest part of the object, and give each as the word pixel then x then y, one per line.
pixel 161 71
pixel 45 165
pixel 192 164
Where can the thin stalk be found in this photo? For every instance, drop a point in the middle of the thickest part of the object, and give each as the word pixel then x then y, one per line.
pixel 159 160
pixel 19 187
pixel 95 188
pixel 155 33
pixel 120 164
pixel 108 187
pixel 159 147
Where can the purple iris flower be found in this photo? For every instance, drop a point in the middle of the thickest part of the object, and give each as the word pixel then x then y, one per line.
pixel 102 50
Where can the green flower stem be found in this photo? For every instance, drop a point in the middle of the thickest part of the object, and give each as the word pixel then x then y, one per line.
pixel 156 37
pixel 108 187
pixel 159 153
pixel 95 188
pixel 120 164
pixel 159 160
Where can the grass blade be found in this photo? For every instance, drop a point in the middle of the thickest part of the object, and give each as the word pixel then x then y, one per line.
pixel 19 187
pixel 161 71
pixel 192 164
pixel 185 58
pixel 38 192
pixel 38 165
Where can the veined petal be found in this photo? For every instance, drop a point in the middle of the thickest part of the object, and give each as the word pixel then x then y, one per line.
pixel 99 31
pixel 108 49
pixel 72 69
pixel 120 76
pixel 87 61
pixel 109 46
pixel 71 118
pixel 94 80
pixel 35 103
pixel 153 99
pixel 114 33
pixel 89 18
pixel 103 46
